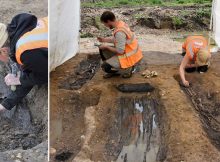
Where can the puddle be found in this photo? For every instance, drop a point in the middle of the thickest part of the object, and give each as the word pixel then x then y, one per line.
pixel 83 73
pixel 143 141
pixel 139 129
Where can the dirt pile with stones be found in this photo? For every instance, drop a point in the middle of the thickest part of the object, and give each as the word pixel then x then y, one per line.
pixel 145 19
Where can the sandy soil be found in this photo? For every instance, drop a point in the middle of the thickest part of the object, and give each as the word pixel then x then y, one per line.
pixel 11 8
pixel 183 132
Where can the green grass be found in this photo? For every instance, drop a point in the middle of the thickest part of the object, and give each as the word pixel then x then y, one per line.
pixel 119 3
pixel 177 21
pixel 200 13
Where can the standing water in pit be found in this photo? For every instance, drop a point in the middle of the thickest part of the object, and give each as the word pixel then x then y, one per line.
pixel 139 130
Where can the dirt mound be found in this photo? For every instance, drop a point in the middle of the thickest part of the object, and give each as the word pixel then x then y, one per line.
pixel 141 20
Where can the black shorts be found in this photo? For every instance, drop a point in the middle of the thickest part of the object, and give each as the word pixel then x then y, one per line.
pixel 199 69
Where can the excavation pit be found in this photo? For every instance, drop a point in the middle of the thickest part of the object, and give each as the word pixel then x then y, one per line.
pixel 19 128
pixel 206 101
pixel 84 72
pixel 69 126
pixel 138 131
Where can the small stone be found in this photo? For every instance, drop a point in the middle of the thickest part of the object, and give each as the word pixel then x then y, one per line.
pixel 17 160
pixel 19 155
pixel 53 151
pixel 82 137
pixel 12 156
pixel 209 95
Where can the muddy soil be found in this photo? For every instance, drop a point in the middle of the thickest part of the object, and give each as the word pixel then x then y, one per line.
pixel 149 20
pixel 19 129
pixel 205 99
pixel 115 129
pixel 19 132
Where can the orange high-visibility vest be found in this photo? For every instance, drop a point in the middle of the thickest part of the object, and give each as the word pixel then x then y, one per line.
pixel 36 38
pixel 193 44
pixel 133 53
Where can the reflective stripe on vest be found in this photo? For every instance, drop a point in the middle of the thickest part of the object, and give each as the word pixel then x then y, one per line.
pixel 129 53
pixel 37 38
pixel 132 53
pixel 197 43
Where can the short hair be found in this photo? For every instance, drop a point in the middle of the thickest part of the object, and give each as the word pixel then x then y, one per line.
pixel 107 16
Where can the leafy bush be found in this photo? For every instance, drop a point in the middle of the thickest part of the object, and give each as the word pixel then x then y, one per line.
pixel 203 13
pixel 177 22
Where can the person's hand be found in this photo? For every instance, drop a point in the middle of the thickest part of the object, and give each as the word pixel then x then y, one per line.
pixel 11 79
pixel 2 108
pixel 103 47
pixel 101 39
pixel 186 83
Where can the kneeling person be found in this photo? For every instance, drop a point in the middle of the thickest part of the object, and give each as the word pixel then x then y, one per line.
pixel 196 56
pixel 125 54
pixel 25 42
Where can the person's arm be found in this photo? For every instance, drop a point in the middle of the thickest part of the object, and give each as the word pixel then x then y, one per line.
pixel 2 108
pixel 106 40
pixel 35 67
pixel 182 70
pixel 109 48
pixel 120 39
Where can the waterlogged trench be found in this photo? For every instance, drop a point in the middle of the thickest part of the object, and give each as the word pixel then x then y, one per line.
pixel 139 129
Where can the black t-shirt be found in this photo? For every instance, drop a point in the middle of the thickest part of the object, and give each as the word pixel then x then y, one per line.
pixel 35 67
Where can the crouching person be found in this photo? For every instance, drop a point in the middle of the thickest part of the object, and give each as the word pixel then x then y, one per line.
pixel 196 57
pixel 25 42
pixel 121 58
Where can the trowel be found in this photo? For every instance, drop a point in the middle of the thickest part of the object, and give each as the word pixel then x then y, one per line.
pixel 97 44
pixel 15 71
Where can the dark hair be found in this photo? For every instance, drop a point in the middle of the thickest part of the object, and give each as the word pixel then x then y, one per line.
pixel 107 16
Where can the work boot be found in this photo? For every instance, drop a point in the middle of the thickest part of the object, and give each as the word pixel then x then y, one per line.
pixel 110 75
pixel 127 73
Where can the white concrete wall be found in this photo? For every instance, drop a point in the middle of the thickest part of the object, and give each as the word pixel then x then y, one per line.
pixel 64 30
pixel 216 20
